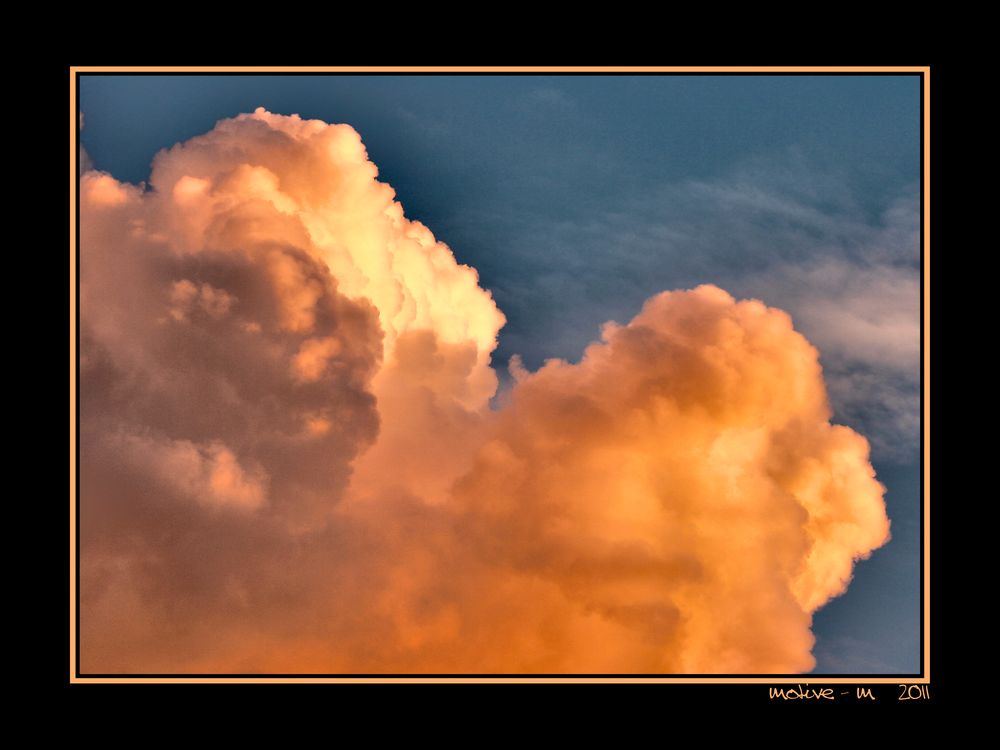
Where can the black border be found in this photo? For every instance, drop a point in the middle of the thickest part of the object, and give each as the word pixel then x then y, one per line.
pixel 812 679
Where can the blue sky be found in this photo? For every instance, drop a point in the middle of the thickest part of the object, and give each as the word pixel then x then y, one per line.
pixel 577 197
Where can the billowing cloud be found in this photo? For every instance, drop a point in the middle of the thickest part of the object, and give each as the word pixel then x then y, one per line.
pixel 801 235
pixel 289 462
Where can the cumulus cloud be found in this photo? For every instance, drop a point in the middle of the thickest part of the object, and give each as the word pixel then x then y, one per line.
pixel 865 318
pixel 289 462
pixel 843 262
pixel 682 490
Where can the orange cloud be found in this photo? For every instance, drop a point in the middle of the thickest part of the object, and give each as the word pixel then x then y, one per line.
pixel 289 464
pixel 682 489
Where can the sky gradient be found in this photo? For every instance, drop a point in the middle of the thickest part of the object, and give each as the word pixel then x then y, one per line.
pixel 577 198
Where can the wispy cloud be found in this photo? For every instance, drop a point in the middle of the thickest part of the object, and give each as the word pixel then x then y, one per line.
pixel 846 655
pixel 551 96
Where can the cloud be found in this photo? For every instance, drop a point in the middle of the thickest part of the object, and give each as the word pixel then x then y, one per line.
pixel 551 96
pixel 779 229
pixel 289 462
pixel 855 656
pixel 865 318
pixel 682 490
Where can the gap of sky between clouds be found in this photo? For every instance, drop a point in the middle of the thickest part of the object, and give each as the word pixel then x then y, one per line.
pixel 577 197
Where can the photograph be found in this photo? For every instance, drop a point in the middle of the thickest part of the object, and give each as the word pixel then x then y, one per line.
pixel 499 374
